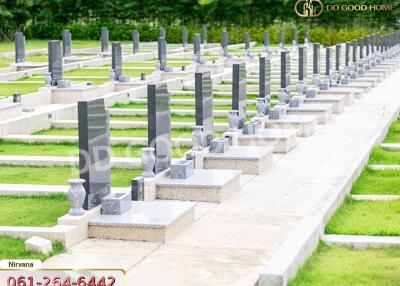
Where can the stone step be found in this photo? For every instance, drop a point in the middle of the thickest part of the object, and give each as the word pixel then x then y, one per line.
pixel 384 167
pixel 375 197
pixel 189 101
pixel 116 162
pixel 322 111
pixel 391 146
pixel 362 241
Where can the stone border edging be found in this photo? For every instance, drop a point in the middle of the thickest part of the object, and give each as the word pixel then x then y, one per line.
pixel 362 241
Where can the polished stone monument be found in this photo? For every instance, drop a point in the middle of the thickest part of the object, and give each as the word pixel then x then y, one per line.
pixel 55 62
pixel 204 34
pixel 19 39
pixel 184 36
pixel 162 53
pixel 104 39
pixel 94 151
pixel 239 91
pixel 136 41
pixel 116 60
pixel 204 105
pixel 67 41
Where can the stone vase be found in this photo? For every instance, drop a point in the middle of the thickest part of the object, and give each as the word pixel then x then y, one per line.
pixel 197 138
pixel 148 162
pixel 260 106
pixel 47 79
pixel 76 196
pixel 111 75
pixel 233 120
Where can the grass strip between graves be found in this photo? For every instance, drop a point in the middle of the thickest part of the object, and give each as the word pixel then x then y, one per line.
pixel 377 182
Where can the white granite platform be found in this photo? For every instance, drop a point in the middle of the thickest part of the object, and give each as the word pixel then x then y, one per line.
pixel 337 101
pixel 305 124
pixel 144 221
pixel 249 159
pixel 322 111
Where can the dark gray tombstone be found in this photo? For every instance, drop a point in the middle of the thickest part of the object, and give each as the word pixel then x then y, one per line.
pixel 337 57
pixel 246 41
pixel 67 42
pixel 136 41
pixel 347 54
pixel 316 57
pixel 184 36
pixel 204 104
pixel 204 34
pixel 137 189
pixel 239 91
pixel 196 44
pixel 265 77
pixel 307 34
pixel 159 124
pixel 282 38
pixel 373 43
pixel 302 63
pixel 328 61
pixel 285 69
pixel 104 39
pixel 295 37
pixel 367 45
pixel 55 62
pixel 266 39
pixel 116 59
pixel 94 151
pixel 354 52
pixel 163 33
pixel 361 47
pixel 225 42
pixel 19 39
pixel 162 53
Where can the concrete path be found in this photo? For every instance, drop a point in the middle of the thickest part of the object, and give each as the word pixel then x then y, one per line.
pixel 272 224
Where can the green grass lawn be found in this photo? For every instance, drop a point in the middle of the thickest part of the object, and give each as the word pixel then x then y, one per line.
pixel 174 117
pixel 215 96
pixel 32 211
pixel 8 89
pixel 393 135
pixel 153 64
pixel 71 149
pixel 179 106
pixel 366 218
pixel 377 182
pixel 58 175
pixel 13 248
pixel 134 132
pixel 344 266
pixel 380 156
pixel 104 72
pixel 42 44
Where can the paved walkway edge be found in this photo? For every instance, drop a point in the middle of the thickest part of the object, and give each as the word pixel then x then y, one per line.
pixel 284 264
pixel 362 241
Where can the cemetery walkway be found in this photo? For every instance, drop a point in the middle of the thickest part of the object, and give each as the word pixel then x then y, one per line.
pixel 230 243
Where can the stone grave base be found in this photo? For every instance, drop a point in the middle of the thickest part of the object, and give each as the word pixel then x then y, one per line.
pixel 120 86
pixel 204 185
pixel 348 96
pixel 213 68
pixel 74 94
pixel 283 140
pixel 323 111
pixel 27 66
pixel 74 59
pixel 337 101
pixel 185 75
pixel 372 80
pixel 144 221
pixel 305 124
pixel 10 110
pixel 250 159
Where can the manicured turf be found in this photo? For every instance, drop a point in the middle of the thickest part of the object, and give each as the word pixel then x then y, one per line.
pixel 174 117
pixel 136 132
pixel 380 156
pixel 104 72
pixel 179 106
pixel 366 218
pixel 58 175
pixel 344 266
pixel 153 64
pixel 12 248
pixel 71 149
pixel 393 135
pixel 8 89
pixel 215 96
pixel 32 211
pixel 377 182
pixel 42 44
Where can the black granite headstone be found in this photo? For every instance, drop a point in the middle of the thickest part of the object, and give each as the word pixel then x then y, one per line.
pixel 316 58
pixel 266 39
pixel 163 33
pixel 361 47
pixel 67 40
pixel 159 124
pixel 196 45
pixel 347 54
pixel 307 34
pixel 337 56
pixel 295 36
pixel 116 59
pixel 184 36
pixel 354 52
pixel 373 37
pixel 367 45
pixel 94 151
pixel 136 41
pixel 246 41
pixel 225 42
pixel 137 189
pixel 239 91
pixel 204 34
pixel 302 62
pixel 162 53
pixel 204 104
pixel 282 38
pixel 104 39
pixel 19 39
pixel 265 77
pixel 285 69
pixel 55 62
pixel 328 61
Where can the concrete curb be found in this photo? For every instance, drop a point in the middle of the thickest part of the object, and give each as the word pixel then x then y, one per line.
pixel 362 241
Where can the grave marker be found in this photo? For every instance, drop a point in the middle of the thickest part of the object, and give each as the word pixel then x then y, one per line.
pixel 94 151
pixel 204 34
pixel 159 124
pixel 302 63
pixel 373 36
pixel 204 105
pixel 281 38
pixel 285 70
pixel 116 59
pixel 295 37
pixel 316 57
pixel 361 47
pixel 354 47
pixel 55 62
pixel 184 36
pixel 104 39
pixel 307 35
pixel 347 54
pixel 367 44
pixel 265 77
pixel 19 39
pixel 225 43
pixel 163 33
pixel 196 47
pixel 246 41
pixel 136 41
pixel 328 61
pixel 67 40
pixel 266 40
pixel 162 53
pixel 337 56
pixel 239 91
